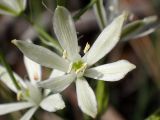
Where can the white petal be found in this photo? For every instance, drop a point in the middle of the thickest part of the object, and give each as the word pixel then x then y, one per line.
pixel 7 12
pixel 10 4
pixel 33 70
pixel 5 78
pixel 110 72
pixel 35 95
pixel 56 73
pixel 86 98
pixel 53 103
pixel 105 41
pixel 65 31
pixel 12 107
pixel 58 84
pixel 29 113
pixel 22 4
pixel 42 55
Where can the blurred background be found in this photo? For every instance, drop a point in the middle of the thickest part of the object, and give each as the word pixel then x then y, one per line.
pixel 135 97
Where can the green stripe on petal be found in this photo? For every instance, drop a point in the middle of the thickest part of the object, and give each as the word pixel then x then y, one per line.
pixel 42 55
pixel 65 31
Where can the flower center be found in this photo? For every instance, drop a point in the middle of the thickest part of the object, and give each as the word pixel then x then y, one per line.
pixel 79 67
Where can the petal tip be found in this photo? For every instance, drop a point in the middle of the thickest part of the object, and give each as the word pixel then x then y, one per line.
pixel 15 42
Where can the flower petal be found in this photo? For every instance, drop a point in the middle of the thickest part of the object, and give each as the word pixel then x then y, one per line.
pixel 53 103
pixel 56 73
pixel 33 70
pixel 105 41
pixel 22 4
pixel 86 97
pixel 110 72
pixel 5 78
pixel 58 84
pixel 12 107
pixel 65 31
pixel 29 113
pixel 34 95
pixel 42 55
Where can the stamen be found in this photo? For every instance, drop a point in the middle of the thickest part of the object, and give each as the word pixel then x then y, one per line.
pixel 87 47
pixel 64 54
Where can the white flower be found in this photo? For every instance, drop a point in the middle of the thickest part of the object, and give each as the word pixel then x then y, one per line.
pixel 12 7
pixel 75 67
pixel 30 96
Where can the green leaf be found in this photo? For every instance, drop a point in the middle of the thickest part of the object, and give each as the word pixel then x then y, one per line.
pixel 154 116
pixel 100 14
pixel 102 96
pixel 140 28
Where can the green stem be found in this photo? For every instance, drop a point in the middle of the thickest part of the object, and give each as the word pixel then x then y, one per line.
pixel 61 2
pixel 43 35
pixel 82 11
pixel 100 14
pixel 2 58
pixel 102 96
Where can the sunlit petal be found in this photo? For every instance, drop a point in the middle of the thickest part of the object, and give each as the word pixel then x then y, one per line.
pixel 58 84
pixel 110 72
pixel 65 32
pixel 105 41
pixel 86 97
pixel 53 103
pixel 12 107
pixel 42 55
pixel 29 113
pixel 33 69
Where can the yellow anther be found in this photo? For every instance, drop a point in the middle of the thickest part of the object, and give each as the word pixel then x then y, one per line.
pixel 19 95
pixel 82 69
pixel 86 48
pixel 64 54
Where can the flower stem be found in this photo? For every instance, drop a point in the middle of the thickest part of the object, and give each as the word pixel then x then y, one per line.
pixel 100 14
pixel 43 35
pixel 2 59
pixel 82 11
pixel 61 2
pixel 102 96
